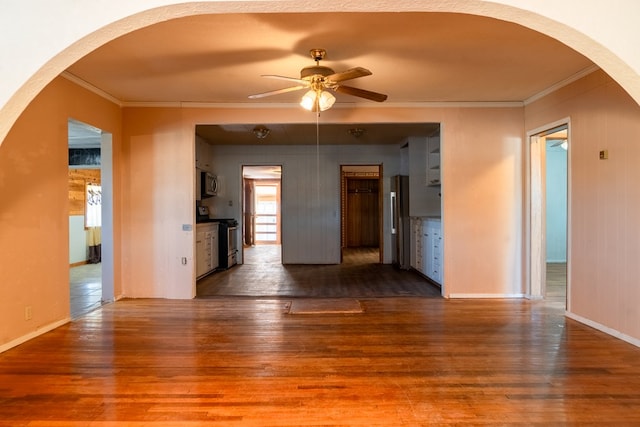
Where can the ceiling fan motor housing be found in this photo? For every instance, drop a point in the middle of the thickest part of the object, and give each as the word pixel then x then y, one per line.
pixel 308 72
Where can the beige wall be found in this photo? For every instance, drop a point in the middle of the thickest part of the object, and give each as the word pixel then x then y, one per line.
pixel 604 200
pixel 34 227
pixel 157 199
pixel 482 201
pixel 482 197
pixel 482 194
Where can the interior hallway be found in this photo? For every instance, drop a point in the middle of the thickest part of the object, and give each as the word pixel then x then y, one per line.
pixel 85 283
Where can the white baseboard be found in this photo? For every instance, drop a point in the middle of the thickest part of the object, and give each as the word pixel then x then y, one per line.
pixel 495 296
pixel 595 325
pixel 31 335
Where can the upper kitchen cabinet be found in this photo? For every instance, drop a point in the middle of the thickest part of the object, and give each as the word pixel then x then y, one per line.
pixel 204 155
pixel 433 161
pixel 424 175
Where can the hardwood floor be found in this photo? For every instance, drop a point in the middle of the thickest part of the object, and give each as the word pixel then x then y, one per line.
pixel 246 362
pixel 556 282
pixel 400 361
pixel 359 276
pixel 85 295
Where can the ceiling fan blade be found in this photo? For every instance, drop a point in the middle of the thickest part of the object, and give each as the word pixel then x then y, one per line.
pixel 289 79
pixel 276 92
pixel 349 74
pixel 557 141
pixel 373 96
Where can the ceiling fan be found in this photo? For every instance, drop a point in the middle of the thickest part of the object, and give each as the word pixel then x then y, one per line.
pixel 319 79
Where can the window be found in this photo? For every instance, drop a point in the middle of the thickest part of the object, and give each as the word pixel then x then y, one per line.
pixel 93 206
pixel 266 220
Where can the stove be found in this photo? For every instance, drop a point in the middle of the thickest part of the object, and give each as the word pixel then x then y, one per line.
pixel 227 238
pixel 229 222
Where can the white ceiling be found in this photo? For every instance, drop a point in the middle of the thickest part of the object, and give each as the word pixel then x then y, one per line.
pixel 414 58
pixel 82 135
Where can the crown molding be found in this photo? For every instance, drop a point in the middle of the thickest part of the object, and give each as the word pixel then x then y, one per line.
pixel 88 86
pixel 337 105
pixel 577 76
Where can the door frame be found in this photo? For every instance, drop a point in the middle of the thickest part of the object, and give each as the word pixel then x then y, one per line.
pixel 535 209
pixel 343 197
pixel 245 166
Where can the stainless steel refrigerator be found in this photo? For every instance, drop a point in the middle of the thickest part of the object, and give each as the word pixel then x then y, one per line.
pixel 400 224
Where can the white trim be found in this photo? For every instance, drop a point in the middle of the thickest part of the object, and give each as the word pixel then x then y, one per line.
pixel 34 334
pixel 91 88
pixel 577 76
pixel 549 126
pixel 609 331
pixel 528 238
pixel 494 296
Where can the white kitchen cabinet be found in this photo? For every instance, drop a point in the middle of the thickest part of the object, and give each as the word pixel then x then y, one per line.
pixel 432 249
pixel 207 258
pixel 203 155
pixel 433 161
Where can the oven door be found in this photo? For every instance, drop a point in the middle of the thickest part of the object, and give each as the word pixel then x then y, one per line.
pixel 231 241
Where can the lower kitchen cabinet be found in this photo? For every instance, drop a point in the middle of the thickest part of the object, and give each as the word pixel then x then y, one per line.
pixel 206 248
pixel 432 249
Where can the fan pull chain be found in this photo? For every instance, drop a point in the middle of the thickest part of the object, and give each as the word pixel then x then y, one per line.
pixel 318 158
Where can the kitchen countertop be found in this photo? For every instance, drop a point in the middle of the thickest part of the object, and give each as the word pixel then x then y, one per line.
pixel 206 221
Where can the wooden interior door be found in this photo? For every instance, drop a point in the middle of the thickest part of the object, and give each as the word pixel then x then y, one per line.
pixel 362 213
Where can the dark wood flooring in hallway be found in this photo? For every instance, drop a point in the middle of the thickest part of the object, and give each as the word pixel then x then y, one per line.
pixel 359 276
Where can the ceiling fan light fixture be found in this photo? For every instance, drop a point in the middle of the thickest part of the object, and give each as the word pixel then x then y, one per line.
pixel 326 100
pixel 308 101
pixel 314 100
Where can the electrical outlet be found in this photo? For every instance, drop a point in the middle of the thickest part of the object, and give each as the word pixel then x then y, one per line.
pixel 184 260
pixel 28 313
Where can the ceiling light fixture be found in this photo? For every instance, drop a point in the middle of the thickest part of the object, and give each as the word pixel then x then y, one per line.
pixel 317 100
pixel 356 132
pixel 261 132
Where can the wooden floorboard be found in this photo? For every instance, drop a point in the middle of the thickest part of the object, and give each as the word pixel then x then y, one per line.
pixel 245 361
pixel 360 275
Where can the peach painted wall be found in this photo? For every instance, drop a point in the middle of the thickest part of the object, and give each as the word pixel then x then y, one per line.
pixel 158 199
pixel 482 202
pixel 34 228
pixel 482 192
pixel 604 243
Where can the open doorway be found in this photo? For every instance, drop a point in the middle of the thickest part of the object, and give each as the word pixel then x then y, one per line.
pixel 90 218
pixel 549 213
pixel 262 219
pixel 361 216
